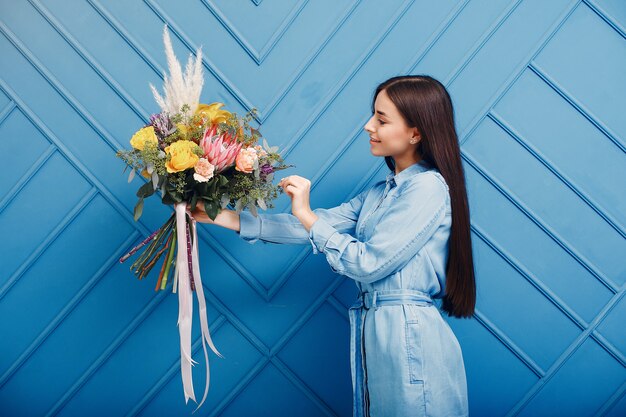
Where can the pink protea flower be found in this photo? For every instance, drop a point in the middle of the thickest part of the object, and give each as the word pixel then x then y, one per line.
pixel 220 150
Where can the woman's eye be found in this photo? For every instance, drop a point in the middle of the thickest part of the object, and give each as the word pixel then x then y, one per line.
pixel 381 122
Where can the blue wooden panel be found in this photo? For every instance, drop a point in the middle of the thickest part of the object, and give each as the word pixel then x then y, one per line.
pixel 522 112
pixel 25 144
pixel 580 229
pixel 504 378
pixel 612 326
pixel 588 366
pixel 539 93
pixel 590 80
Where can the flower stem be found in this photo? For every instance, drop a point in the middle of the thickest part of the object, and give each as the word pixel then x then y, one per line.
pixel 168 262
pixel 157 240
pixel 167 244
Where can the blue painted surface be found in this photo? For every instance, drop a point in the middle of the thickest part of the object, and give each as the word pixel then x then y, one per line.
pixel 539 93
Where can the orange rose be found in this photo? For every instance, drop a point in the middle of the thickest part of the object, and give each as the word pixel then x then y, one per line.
pixel 245 160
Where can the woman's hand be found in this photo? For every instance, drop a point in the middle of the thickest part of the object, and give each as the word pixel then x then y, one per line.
pixel 298 188
pixel 199 214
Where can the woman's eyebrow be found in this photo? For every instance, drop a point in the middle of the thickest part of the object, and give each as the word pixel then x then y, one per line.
pixel 381 113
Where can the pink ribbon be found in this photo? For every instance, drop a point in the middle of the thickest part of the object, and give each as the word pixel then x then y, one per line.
pixel 185 303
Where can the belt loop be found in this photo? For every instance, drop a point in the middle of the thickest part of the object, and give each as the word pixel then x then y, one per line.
pixel 374 297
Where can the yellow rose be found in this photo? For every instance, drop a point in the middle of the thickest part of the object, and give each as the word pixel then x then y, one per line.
pixel 143 136
pixel 182 156
pixel 212 113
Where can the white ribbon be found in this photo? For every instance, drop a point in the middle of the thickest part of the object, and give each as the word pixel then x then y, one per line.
pixel 185 303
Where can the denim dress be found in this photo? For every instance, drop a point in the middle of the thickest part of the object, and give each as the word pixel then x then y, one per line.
pixel 392 240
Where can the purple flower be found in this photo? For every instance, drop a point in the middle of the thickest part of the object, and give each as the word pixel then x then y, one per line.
pixel 162 124
pixel 265 170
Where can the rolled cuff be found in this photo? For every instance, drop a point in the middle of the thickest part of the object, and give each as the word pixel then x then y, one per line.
pixel 249 227
pixel 319 234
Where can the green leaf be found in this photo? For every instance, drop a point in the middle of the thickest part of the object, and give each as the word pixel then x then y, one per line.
pixel 138 209
pixel 194 201
pixel 213 210
pixel 207 207
pixel 223 180
pixel 177 198
pixel 167 198
pixel 145 190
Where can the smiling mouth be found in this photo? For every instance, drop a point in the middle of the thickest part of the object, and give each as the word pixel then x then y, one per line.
pixel 372 140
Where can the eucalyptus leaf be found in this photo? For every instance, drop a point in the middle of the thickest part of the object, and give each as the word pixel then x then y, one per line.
pixel 238 205
pixel 155 180
pixel 261 203
pixel 224 200
pixel 138 209
pixel 253 210
pixel 131 175
pixel 266 145
pixel 145 190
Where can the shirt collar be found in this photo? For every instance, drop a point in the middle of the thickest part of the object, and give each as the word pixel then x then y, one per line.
pixel 408 172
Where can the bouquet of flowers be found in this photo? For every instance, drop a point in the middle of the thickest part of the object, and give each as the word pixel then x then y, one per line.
pixel 194 153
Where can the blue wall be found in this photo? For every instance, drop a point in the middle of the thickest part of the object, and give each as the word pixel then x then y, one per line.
pixel 540 96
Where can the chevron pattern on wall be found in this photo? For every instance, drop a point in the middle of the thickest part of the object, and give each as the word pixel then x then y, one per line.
pixel 539 90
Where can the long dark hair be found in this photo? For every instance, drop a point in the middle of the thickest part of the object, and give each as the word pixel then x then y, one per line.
pixel 425 104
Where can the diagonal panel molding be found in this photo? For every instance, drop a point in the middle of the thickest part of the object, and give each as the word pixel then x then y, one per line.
pixel 258 54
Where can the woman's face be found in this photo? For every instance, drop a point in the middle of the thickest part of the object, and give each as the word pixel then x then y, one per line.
pixel 388 131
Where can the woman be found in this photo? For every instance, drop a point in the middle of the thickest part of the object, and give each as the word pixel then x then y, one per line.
pixel 404 241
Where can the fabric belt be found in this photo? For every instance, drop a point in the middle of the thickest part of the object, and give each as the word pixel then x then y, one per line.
pixel 375 299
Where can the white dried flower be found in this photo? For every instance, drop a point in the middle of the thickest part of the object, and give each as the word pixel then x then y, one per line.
pixel 179 88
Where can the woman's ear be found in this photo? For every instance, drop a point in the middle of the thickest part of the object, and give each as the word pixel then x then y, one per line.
pixel 415 135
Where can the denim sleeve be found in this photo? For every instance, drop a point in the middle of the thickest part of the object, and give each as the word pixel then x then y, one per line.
pixel 286 228
pixel 409 221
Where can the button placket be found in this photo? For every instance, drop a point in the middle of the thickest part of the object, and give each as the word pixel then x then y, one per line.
pixel 385 192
